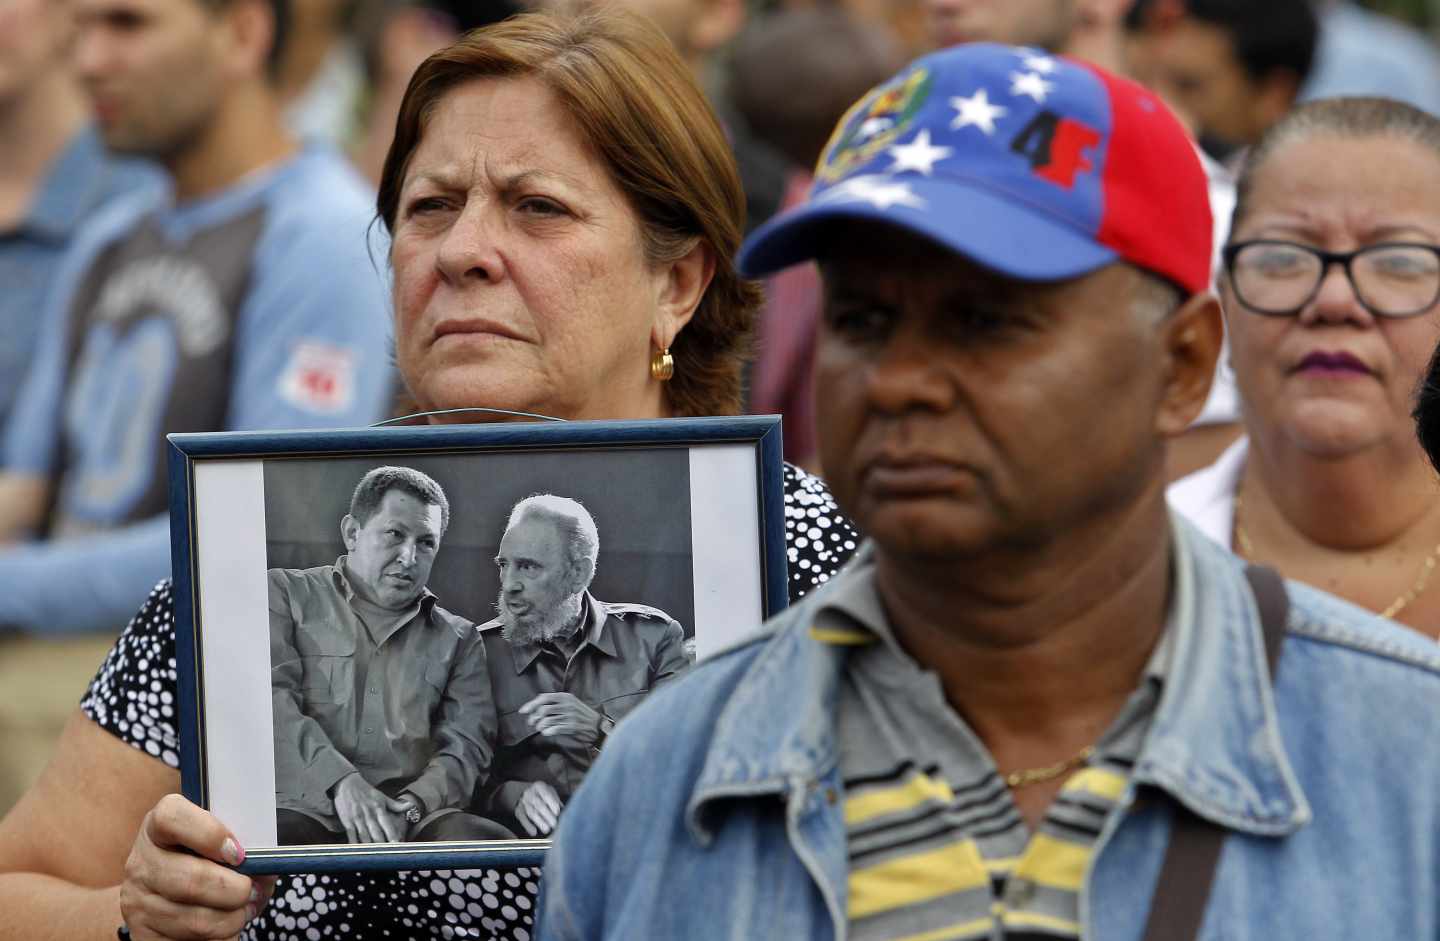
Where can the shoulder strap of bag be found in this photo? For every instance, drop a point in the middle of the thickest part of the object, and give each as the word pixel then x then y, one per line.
pixel 1178 908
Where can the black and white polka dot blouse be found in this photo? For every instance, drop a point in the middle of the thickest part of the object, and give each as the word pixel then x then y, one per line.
pixel 134 698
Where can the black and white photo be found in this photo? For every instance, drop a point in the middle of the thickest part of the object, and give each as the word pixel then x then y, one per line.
pixel 422 650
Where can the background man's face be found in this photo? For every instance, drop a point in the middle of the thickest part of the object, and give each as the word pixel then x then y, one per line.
pixel 33 36
pixel 1197 69
pixel 969 413
pixel 1043 23
pixel 536 578
pixel 151 67
pixel 391 554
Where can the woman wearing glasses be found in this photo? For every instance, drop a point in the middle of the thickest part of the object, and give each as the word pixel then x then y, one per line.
pixel 1330 292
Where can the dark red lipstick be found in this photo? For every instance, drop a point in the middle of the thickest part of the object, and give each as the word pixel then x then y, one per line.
pixel 1338 363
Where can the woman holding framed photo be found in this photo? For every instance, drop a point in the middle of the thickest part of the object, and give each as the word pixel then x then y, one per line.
pixel 564 210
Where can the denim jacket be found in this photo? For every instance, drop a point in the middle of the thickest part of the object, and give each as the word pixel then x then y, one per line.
pixel 716 809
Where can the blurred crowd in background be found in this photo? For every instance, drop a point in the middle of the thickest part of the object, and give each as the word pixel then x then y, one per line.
pixel 110 122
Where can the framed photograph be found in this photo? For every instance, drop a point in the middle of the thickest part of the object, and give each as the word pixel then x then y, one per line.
pixel 403 647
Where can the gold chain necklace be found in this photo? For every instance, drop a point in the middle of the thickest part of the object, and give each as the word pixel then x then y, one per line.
pixel 1025 777
pixel 1247 549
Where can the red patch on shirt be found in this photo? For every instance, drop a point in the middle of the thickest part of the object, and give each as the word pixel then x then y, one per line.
pixel 319 378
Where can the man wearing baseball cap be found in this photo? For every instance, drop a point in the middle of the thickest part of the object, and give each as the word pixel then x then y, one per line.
pixel 1035 705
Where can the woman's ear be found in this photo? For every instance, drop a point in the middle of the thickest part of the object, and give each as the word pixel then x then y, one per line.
pixel 683 285
pixel 1193 337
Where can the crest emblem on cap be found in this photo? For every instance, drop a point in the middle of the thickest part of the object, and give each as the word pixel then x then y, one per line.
pixel 874 124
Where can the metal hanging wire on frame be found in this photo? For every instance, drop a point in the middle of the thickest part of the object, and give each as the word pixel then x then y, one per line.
pixel 455 411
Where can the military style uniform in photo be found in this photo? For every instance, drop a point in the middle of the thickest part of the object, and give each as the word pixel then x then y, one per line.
pixel 624 652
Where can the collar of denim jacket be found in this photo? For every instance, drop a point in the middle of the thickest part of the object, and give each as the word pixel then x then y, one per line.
pixel 1214 745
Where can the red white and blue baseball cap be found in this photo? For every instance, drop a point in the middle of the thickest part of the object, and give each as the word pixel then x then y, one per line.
pixel 1039 167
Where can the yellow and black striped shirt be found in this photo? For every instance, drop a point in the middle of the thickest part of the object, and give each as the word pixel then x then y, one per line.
pixel 938 850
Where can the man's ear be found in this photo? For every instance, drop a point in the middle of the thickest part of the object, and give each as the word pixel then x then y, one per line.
pixel 250 31
pixel 582 572
pixel 1192 339
pixel 682 287
pixel 349 532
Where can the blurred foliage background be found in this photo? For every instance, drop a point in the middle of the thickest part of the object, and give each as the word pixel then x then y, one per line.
pixel 1423 13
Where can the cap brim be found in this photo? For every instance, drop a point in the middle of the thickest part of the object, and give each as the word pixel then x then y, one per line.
pixel 992 230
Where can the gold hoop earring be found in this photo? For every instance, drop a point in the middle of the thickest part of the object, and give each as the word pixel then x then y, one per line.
pixel 662 365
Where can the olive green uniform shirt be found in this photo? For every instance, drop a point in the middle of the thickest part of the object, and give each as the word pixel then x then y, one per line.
pixel 626 651
pixel 401 697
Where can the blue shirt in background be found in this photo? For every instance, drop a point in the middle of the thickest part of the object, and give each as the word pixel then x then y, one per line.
pixel 260 307
pixel 1362 52
pixel 80 181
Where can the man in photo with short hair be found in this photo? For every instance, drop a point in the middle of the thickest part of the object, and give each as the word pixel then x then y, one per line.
pixel 564 665
pixel 382 706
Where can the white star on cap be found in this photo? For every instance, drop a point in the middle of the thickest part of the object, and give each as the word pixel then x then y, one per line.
pixel 879 191
pixel 1032 84
pixel 918 155
pixel 1037 63
pixel 976 110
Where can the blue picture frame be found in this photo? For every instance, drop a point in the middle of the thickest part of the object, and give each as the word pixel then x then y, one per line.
pixel 189 453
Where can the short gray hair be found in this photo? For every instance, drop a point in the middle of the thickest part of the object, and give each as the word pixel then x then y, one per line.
pixel 1353 118
pixel 576 525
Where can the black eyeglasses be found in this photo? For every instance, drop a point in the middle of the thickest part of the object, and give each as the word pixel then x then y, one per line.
pixel 1392 279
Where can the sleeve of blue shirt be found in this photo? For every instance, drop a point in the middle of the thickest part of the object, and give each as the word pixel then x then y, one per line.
pixel 91 585
pixel 312 351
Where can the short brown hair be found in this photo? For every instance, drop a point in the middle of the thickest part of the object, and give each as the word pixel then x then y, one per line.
pixel 636 103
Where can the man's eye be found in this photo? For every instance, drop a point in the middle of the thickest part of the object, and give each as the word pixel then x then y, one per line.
pixel 1187 84
pixel 977 319
pixel 859 320
pixel 118 20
